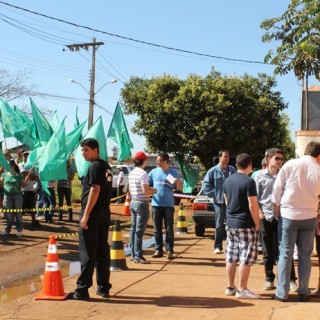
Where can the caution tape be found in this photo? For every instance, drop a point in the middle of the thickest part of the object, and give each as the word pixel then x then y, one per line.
pixel 186 196
pixel 69 235
pixel 64 207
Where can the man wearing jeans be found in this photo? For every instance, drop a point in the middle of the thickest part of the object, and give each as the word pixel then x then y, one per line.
pixel 295 197
pixel 165 180
pixel 212 186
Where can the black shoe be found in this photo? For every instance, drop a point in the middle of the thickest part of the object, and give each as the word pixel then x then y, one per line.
pixel 304 297
pixel 70 218
pixel 103 294
pixel 157 254
pixel 36 223
pixel 275 297
pixel 78 296
pixel 60 217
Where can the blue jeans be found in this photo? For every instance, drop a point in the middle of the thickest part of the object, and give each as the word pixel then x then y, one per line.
pixel 220 217
pixel 165 214
pixel 49 203
pixel 300 232
pixel 139 219
pixel 13 202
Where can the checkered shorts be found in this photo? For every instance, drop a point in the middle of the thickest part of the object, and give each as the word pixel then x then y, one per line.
pixel 242 245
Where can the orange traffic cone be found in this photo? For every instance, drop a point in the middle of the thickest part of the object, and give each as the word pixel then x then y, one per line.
pixel 126 207
pixel 118 258
pixel 52 288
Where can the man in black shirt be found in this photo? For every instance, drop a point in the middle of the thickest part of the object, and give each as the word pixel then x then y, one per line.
pixel 94 249
pixel 242 223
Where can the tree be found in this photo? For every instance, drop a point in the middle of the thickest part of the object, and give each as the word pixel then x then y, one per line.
pixel 115 151
pixel 298 31
pixel 12 86
pixel 199 116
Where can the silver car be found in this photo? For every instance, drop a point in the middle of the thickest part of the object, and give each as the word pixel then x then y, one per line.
pixel 202 213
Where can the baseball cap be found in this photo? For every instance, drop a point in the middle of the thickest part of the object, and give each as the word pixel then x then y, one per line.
pixel 140 156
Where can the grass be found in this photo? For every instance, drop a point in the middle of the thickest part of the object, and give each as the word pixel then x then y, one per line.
pixel 76 189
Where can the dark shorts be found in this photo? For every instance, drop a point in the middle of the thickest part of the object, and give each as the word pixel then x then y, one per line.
pixel 1 193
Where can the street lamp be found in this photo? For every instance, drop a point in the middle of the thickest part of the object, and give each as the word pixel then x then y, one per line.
pixel 91 94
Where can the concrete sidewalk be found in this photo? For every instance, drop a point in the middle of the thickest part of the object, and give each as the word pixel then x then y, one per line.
pixel 189 287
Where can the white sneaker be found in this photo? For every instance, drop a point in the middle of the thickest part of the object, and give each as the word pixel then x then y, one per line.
pixel 293 286
pixel 19 234
pixel 247 294
pixel 231 291
pixel 4 233
pixel 218 251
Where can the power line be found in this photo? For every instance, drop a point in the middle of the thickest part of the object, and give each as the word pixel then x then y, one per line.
pixel 134 40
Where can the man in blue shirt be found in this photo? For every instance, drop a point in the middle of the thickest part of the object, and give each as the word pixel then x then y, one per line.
pixel 165 180
pixel 212 186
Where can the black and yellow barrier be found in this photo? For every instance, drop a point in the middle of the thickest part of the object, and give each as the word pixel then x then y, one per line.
pixel 117 255
pixel 182 227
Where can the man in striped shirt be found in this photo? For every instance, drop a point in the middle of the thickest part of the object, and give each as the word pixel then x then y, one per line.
pixel 139 206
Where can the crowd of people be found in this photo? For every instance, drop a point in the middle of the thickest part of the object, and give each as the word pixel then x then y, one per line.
pixel 21 192
pixel 279 205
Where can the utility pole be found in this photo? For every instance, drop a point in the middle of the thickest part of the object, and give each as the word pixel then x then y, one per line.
pixel 94 45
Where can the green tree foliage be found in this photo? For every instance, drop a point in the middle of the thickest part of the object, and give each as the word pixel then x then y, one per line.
pixel 200 116
pixel 298 31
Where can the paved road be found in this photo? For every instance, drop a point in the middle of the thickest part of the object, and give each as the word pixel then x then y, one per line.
pixel 189 287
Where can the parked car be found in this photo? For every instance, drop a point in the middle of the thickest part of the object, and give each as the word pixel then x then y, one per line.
pixel 202 213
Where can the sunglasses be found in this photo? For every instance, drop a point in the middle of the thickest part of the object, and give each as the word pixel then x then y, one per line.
pixel 278 159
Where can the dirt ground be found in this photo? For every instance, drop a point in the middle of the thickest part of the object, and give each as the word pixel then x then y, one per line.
pixel 22 258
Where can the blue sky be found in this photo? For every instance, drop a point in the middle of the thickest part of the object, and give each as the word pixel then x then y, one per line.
pixel 229 28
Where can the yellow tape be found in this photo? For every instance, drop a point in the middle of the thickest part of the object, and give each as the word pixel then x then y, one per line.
pixel 69 235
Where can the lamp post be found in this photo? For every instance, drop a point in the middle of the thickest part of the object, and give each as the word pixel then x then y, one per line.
pixel 91 94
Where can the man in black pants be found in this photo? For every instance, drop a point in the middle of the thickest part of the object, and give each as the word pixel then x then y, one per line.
pixel 94 249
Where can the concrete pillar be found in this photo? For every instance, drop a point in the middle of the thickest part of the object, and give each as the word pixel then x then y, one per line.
pixel 303 138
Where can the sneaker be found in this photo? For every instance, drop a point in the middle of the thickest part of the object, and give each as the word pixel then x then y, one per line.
pixel 247 294
pixel 170 255
pixel 157 254
pixel 231 291
pixel 141 260
pixel 269 285
pixel 293 286
pixel 19 234
pixel 4 233
pixel 218 251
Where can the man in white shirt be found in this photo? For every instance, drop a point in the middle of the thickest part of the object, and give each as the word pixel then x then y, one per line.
pixel 120 184
pixel 295 197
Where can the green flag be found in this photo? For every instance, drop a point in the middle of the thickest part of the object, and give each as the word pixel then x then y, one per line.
pixel 96 132
pixel 52 162
pixel 44 130
pixel 73 138
pixel 27 134
pixel 190 176
pixel 3 162
pixel 54 122
pixel 33 158
pixel 119 134
pixel 8 119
